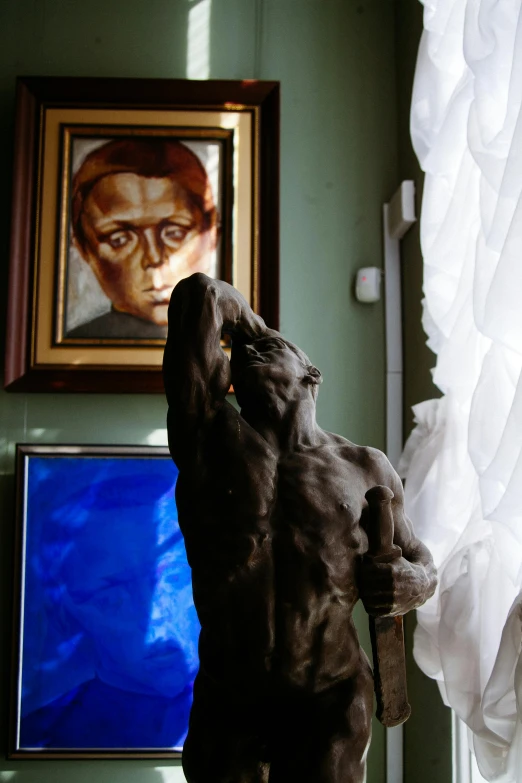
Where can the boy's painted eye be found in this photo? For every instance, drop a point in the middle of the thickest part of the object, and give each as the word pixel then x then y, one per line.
pixel 173 234
pixel 118 239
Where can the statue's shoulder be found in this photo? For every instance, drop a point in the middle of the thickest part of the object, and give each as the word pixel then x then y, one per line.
pixel 367 458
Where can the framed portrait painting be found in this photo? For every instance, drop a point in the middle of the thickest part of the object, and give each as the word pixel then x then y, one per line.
pixel 105 650
pixel 123 187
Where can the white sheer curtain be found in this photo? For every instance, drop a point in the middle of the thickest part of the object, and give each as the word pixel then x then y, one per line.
pixel 463 462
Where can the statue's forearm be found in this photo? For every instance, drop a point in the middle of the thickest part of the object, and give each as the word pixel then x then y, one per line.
pixel 424 569
pixel 196 371
pixel 239 320
pixel 424 585
pixel 420 556
pixel 217 307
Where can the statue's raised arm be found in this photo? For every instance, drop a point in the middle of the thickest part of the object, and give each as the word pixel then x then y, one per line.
pixel 196 370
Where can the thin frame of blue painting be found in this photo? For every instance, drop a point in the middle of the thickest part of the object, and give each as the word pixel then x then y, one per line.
pixel 106 640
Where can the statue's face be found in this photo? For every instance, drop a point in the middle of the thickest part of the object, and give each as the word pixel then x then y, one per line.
pixel 142 237
pixel 266 367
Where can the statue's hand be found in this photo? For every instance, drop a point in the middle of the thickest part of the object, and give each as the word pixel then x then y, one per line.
pixel 388 589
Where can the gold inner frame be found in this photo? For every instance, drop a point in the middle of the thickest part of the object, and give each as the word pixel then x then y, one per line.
pixel 50 246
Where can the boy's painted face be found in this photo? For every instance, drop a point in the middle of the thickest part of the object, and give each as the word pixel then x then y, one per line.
pixel 142 236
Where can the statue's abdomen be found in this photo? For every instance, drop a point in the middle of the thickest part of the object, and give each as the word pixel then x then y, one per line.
pixel 316 542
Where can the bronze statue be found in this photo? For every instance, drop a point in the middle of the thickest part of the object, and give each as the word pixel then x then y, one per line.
pixel 277 525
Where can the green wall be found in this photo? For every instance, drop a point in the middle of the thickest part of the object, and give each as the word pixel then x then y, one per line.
pixel 339 163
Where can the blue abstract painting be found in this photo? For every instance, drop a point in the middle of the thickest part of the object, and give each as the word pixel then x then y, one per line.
pixel 109 632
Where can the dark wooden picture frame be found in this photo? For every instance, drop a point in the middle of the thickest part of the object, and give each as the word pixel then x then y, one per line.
pixel 104 637
pixel 34 360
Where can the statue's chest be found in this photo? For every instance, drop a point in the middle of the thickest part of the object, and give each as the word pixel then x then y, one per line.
pixel 320 499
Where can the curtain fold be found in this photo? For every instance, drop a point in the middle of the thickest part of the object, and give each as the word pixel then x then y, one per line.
pixel 463 461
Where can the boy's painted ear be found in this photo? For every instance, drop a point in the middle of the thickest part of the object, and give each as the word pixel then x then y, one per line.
pixel 313 375
pixel 80 247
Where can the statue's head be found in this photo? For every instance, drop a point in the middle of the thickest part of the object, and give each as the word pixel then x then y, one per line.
pixel 272 370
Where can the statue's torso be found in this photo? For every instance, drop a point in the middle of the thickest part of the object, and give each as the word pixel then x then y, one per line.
pixel 273 544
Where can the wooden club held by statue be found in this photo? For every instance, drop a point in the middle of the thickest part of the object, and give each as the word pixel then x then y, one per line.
pixel 387 635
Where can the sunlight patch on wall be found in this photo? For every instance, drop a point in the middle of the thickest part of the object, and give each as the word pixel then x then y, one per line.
pixel 198 40
pixel 171 774
pixel 157 437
